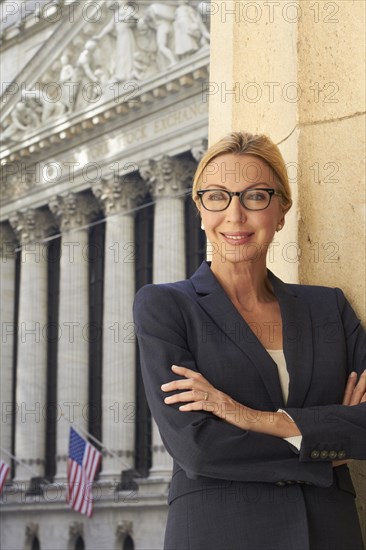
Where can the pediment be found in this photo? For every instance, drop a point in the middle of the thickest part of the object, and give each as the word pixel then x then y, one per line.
pixel 103 52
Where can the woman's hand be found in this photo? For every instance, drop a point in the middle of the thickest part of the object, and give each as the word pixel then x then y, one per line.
pixel 197 393
pixel 354 394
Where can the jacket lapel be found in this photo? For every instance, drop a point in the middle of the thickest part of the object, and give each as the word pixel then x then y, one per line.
pixel 297 340
pixel 297 335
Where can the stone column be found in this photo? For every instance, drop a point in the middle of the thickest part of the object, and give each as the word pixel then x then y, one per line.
pixel 118 198
pixel 31 227
pixel 318 120
pixel 73 212
pixel 168 180
pixel 7 323
pixel 249 96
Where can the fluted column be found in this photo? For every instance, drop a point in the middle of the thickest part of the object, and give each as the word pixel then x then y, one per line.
pixel 117 198
pixel 7 301
pixel 31 227
pixel 73 212
pixel 168 179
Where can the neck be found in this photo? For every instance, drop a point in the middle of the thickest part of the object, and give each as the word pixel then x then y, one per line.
pixel 246 283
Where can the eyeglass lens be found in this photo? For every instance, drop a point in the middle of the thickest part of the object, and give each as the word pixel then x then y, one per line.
pixel 253 199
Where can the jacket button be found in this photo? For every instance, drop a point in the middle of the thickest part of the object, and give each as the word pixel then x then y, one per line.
pixel 324 454
pixel 280 483
pixel 315 454
pixel 333 454
pixel 341 454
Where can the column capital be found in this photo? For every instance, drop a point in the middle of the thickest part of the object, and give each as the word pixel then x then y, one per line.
pixel 73 210
pixel 119 195
pixel 199 148
pixel 32 225
pixel 168 175
pixel 8 241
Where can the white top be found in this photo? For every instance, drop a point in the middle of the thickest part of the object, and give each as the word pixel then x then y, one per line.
pixel 279 358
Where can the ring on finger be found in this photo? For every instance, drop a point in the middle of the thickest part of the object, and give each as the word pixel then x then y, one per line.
pixel 206 395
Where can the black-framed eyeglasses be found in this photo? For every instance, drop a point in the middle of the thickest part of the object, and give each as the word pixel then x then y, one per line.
pixel 216 200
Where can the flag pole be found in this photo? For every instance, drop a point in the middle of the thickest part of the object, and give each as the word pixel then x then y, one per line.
pixel 87 434
pixel 35 474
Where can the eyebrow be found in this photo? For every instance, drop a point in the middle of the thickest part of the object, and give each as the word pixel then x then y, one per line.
pixel 220 186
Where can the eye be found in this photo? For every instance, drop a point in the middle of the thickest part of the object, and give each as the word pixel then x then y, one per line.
pixel 256 195
pixel 216 196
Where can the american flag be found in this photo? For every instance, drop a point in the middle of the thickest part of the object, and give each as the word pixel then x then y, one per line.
pixel 4 470
pixel 83 463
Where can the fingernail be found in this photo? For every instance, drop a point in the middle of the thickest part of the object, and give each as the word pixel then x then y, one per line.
pixel 163 386
pixel 175 367
pixel 353 374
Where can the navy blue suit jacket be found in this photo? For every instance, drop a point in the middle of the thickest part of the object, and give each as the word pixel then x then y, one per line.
pixel 193 323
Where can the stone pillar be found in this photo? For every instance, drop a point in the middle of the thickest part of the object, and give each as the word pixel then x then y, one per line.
pixel 309 108
pixel 168 180
pixel 118 198
pixel 7 320
pixel 31 227
pixel 258 95
pixel 73 212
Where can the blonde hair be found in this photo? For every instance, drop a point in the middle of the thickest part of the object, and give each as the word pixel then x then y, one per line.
pixel 244 143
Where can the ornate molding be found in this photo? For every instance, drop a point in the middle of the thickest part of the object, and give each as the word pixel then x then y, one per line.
pixel 73 210
pixel 167 176
pixel 199 148
pixel 126 48
pixel 88 123
pixel 32 225
pixel 119 194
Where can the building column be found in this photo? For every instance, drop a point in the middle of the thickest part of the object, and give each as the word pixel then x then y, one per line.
pixel 31 227
pixel 73 212
pixel 168 180
pixel 118 198
pixel 7 323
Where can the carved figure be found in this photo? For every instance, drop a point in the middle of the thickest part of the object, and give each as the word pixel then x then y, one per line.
pixel 160 18
pixel 22 119
pixel 85 61
pixel 67 76
pixel 144 65
pixel 122 23
pixel 187 30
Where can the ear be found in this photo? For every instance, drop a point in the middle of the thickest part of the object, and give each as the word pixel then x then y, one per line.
pixel 281 222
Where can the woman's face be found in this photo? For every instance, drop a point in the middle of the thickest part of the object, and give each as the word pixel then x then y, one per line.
pixel 238 234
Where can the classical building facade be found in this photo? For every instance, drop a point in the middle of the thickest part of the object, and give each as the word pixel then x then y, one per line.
pixel 103 124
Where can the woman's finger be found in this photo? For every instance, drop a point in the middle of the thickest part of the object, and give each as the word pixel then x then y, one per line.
pixel 359 390
pixel 183 384
pixel 351 383
pixel 194 395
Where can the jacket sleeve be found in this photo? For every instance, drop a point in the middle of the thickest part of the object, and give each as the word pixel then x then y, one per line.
pixel 201 443
pixel 333 432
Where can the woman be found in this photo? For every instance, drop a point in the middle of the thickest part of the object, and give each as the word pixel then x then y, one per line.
pixel 246 375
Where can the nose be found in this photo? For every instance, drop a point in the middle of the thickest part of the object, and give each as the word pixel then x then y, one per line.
pixel 235 212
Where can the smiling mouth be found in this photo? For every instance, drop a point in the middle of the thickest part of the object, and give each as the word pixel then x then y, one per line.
pixel 238 238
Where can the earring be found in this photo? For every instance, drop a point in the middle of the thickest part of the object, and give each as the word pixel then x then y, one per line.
pixel 279 227
pixel 202 226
